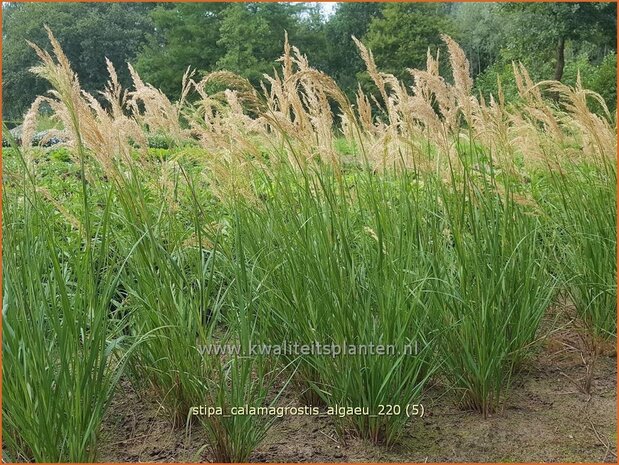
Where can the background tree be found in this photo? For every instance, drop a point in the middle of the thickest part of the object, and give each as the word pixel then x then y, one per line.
pixel 88 32
pixel 401 36
pixel 310 36
pixel 245 38
pixel 183 34
pixel 252 36
pixel 349 19
pixel 551 25
pixel 481 31
pixel 553 40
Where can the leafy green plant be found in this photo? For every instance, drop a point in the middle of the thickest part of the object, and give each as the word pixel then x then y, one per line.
pixel 581 204
pixel 494 290
pixel 175 293
pixel 61 359
pixel 262 227
pixel 341 268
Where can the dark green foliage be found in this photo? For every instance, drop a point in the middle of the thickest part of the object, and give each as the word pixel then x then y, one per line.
pixel 537 35
pixel 185 35
pixel 350 19
pixel 401 37
pixel 163 40
pixel 88 32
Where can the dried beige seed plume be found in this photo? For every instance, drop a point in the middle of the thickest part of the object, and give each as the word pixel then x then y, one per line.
pixel 298 111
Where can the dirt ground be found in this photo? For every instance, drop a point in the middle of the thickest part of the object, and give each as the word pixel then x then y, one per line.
pixel 547 417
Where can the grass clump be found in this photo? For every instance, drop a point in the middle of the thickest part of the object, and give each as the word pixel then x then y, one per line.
pixel 342 265
pixel 494 290
pixel 582 213
pixel 422 219
pixel 63 351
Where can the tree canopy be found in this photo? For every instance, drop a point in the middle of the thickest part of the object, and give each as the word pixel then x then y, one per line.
pixel 88 33
pixel 554 40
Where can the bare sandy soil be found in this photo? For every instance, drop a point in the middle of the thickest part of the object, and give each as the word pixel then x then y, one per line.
pixel 546 417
